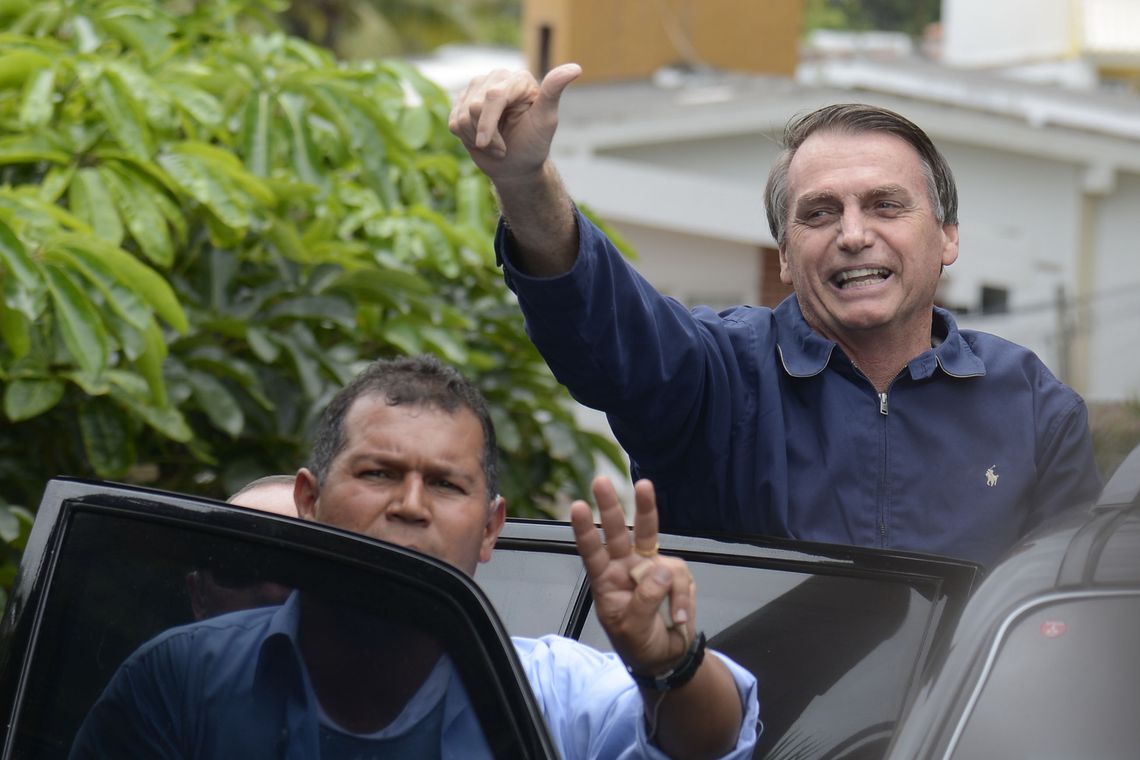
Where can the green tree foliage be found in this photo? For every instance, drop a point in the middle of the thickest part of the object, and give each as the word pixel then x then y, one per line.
pixel 207 227
pixel 909 16
pixel 368 28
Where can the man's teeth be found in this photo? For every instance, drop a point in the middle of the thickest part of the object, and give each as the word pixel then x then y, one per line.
pixel 854 278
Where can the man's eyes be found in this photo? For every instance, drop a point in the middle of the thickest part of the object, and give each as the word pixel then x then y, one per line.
pixel 446 485
pixel 816 214
pixel 387 475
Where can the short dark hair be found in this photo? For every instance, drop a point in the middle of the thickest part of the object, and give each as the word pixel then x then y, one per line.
pixel 854 119
pixel 422 381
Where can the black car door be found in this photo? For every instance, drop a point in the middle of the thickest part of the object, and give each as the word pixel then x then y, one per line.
pixel 108 568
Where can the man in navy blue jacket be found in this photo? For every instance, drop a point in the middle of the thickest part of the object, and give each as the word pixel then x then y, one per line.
pixel 856 411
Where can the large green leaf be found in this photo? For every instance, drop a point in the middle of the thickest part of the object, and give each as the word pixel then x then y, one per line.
pixel 15 330
pixel 254 139
pixel 122 114
pixel 299 344
pixel 24 149
pixel 207 185
pixel 17 66
pixel 91 201
pixel 470 201
pixel 134 197
pixel 132 273
pixel 213 398
pixel 149 363
pixel 15 525
pixel 415 126
pixel 219 363
pixel 203 107
pixel 37 107
pixel 262 346
pixel 302 149
pixel 107 440
pixel 121 300
pixel 24 399
pixel 17 263
pixel 446 344
pixel 79 322
pixel 140 28
pixel 227 164
pixel 131 392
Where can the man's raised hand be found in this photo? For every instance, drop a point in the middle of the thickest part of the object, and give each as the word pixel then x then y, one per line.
pixel 506 120
pixel 630 580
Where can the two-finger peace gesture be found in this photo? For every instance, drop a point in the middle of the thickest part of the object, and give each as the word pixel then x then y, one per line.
pixel 631 581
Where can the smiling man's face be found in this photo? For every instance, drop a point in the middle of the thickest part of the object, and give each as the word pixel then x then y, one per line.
pixel 864 248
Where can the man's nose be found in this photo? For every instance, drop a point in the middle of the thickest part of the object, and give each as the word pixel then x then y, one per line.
pixel 411 502
pixel 853 233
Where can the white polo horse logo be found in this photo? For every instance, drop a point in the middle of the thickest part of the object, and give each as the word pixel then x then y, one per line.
pixel 991 476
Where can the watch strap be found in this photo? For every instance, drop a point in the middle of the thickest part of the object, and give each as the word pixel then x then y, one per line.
pixel 680 674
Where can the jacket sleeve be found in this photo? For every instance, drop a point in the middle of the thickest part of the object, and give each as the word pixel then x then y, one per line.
pixel 663 375
pixel 1066 466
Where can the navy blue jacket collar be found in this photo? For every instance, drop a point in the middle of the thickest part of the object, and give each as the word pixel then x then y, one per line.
pixel 804 352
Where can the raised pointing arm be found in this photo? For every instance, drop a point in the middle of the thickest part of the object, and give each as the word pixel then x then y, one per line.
pixel 506 120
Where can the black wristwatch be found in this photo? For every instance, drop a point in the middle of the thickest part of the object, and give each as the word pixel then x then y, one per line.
pixel 680 674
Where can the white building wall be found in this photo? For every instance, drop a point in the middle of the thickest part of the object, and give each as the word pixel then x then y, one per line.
pixel 997 32
pixel 695 270
pixel 742 158
pixel 1018 225
pixel 1115 303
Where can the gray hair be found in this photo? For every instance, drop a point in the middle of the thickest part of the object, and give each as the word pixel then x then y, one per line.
pixel 854 119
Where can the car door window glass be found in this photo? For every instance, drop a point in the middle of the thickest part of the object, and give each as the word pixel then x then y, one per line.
pixel 531 589
pixel 833 654
pixel 120 591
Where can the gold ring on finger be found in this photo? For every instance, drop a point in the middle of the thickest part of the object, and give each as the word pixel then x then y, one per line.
pixel 647 552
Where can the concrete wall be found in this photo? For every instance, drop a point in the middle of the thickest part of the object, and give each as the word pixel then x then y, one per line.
pixel 696 270
pixel 1114 347
pixel 1018 220
pixel 997 32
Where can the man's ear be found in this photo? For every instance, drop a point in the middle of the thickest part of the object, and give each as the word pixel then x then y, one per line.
pixel 949 244
pixel 496 517
pixel 306 492
pixel 785 270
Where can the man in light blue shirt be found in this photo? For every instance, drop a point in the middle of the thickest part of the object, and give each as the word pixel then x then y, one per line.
pixel 406 453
